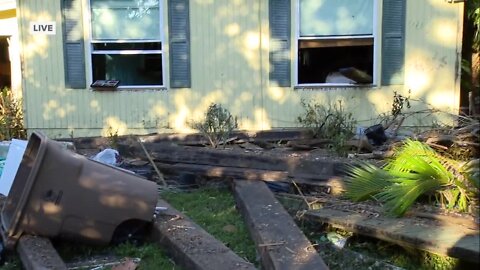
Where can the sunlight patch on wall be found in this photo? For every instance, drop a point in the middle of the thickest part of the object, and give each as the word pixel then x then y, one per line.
pixel 49 108
pixel 232 29
pixel 444 32
pixel 181 111
pixel 441 99
pixel 250 48
pixel 277 94
pixel 36 44
pixel 113 125
pixel 180 119
pixel 64 110
pixel 199 108
pixel 259 121
pixel 241 103
pixel 159 110
pixel 95 105
pixel 382 101
pixel 418 76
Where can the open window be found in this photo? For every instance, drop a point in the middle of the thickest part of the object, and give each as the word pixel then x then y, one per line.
pixel 127 42
pixel 336 42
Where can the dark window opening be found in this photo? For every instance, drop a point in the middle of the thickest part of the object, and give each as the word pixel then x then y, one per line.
pixel 129 69
pixel 5 69
pixel 127 46
pixel 335 61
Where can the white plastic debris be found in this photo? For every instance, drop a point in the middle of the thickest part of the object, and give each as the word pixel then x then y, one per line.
pixel 337 240
pixel 108 156
pixel 14 158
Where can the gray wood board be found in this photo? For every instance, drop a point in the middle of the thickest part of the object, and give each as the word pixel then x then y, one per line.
pixel 280 243
pixel 434 236
pixel 190 245
pixel 38 253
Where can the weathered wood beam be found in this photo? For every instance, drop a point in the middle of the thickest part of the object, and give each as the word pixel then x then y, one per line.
pixel 38 253
pixel 190 245
pixel 295 166
pixel 445 239
pixel 197 138
pixel 280 243
pixel 334 184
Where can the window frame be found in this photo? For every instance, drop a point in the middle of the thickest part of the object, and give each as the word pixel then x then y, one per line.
pixel 376 35
pixel 90 51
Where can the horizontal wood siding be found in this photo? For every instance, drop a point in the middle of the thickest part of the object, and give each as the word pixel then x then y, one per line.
pixel 62 112
pixel 229 54
pixel 433 35
pixel 226 65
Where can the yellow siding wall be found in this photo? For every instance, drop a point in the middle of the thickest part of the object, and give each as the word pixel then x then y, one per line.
pixel 229 52
pixel 433 46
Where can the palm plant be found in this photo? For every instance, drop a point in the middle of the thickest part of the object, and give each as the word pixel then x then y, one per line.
pixel 415 170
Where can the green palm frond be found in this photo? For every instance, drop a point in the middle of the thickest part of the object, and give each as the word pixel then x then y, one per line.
pixel 471 170
pixel 365 180
pixel 415 170
pixel 401 195
pixel 417 157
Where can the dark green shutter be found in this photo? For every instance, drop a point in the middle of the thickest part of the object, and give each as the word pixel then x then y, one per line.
pixel 393 41
pixel 279 21
pixel 179 43
pixel 74 52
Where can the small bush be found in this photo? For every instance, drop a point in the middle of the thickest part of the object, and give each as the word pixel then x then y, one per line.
pixel 332 123
pixel 217 125
pixel 11 117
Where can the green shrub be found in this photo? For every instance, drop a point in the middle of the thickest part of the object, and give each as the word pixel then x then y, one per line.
pixel 217 125
pixel 332 123
pixel 11 117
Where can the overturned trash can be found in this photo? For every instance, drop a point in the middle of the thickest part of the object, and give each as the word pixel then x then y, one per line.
pixel 57 193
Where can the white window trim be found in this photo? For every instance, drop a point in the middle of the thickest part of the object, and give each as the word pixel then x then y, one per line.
pixel 87 20
pixel 376 47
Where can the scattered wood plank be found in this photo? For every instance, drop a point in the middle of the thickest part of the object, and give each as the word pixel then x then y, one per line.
pixel 308 144
pixel 295 166
pixel 38 253
pixel 335 185
pixel 450 239
pixel 192 139
pixel 265 135
pixel 226 172
pixel 281 244
pixel 367 207
pixel 250 146
pixel 190 245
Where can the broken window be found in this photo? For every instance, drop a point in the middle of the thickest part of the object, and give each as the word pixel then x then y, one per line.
pixel 127 42
pixel 336 40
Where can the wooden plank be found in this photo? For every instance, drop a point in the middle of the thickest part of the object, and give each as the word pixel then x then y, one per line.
pixel 334 184
pixel 219 171
pixel 195 138
pixel 370 207
pixel 445 239
pixel 38 253
pixel 296 166
pixel 280 243
pixel 190 245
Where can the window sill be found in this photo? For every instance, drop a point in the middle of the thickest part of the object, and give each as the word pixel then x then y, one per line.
pixel 133 89
pixel 333 86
